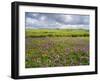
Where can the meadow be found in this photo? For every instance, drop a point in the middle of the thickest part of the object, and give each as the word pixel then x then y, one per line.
pixel 56 47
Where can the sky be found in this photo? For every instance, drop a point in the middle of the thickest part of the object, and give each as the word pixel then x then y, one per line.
pixel 55 20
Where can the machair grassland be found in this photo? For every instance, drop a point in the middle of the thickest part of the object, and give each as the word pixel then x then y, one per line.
pixel 56 47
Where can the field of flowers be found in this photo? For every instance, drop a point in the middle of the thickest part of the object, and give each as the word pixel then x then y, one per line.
pixel 48 49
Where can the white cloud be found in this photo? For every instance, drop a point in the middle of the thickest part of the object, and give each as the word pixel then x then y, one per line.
pixel 68 18
pixel 30 20
pixel 35 14
pixel 81 26
pixel 42 18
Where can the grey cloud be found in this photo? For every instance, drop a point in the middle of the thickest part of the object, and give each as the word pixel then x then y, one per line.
pixel 56 20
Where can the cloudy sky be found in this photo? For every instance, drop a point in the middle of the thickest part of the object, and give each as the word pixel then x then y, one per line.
pixel 52 20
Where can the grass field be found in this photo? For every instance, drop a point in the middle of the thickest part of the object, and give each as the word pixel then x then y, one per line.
pixel 56 47
pixel 57 33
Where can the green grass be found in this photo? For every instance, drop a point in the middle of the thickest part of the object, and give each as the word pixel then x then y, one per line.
pixel 53 48
pixel 56 32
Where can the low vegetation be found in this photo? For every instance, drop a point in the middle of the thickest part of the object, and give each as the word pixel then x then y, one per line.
pixel 58 47
pixel 57 33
